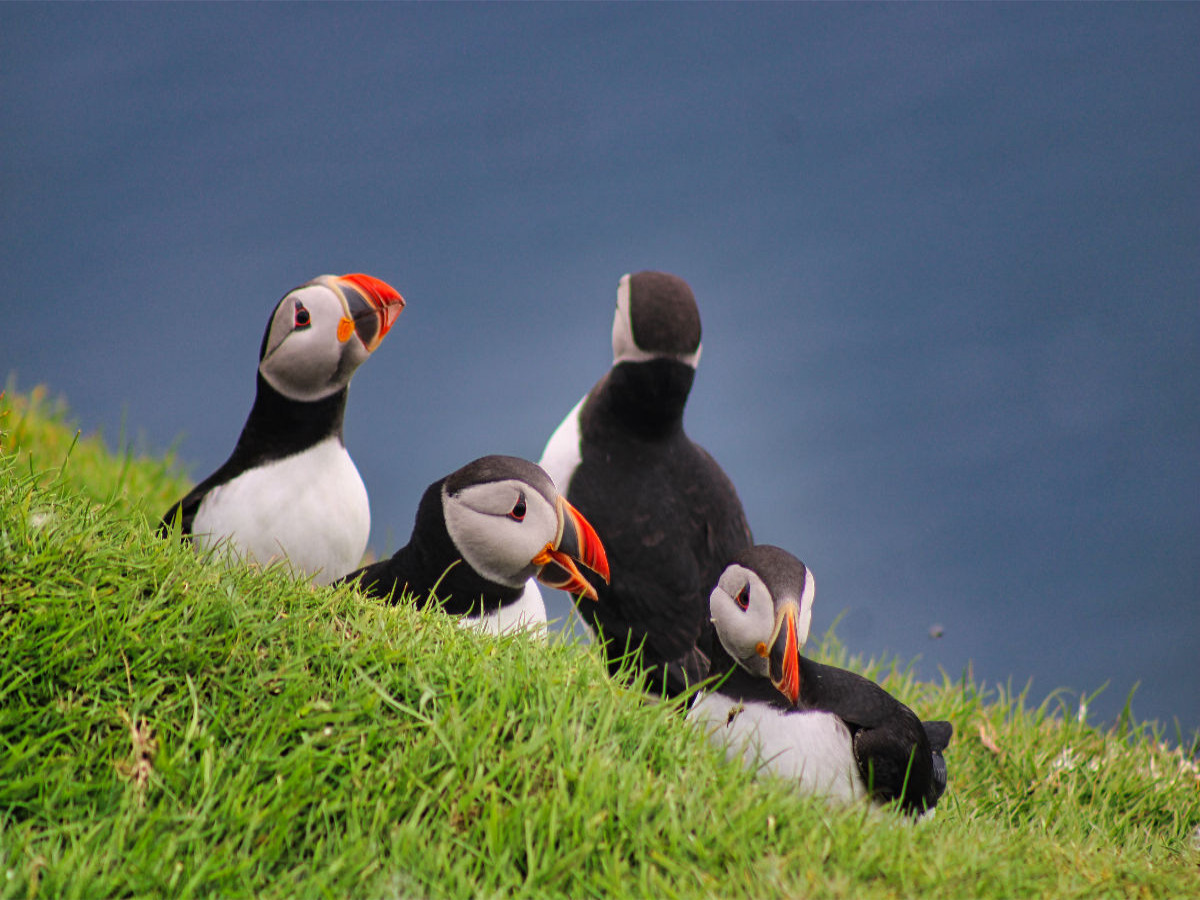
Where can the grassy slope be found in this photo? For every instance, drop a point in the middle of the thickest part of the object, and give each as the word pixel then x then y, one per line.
pixel 169 728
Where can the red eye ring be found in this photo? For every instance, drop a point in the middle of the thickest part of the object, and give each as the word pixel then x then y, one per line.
pixel 517 513
pixel 743 598
pixel 303 318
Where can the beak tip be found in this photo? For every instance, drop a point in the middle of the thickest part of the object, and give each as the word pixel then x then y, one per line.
pixel 385 298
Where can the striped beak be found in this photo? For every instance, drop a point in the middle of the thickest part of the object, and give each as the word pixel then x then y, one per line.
pixel 784 654
pixel 372 306
pixel 577 542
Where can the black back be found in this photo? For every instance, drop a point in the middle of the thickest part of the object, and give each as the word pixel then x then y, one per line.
pixel 669 517
pixel 276 428
pixel 891 745
pixel 430 562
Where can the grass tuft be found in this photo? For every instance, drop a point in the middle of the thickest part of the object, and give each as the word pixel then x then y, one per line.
pixel 172 728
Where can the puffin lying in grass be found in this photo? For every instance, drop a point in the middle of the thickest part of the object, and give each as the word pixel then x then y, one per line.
pixel 837 734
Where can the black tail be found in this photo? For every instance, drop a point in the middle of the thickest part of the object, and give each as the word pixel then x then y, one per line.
pixel 939 734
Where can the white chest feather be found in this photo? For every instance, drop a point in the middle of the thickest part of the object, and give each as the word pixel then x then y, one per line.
pixel 811 748
pixel 310 509
pixel 561 457
pixel 528 613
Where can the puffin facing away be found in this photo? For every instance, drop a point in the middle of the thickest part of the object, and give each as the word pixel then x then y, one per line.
pixel 481 535
pixel 669 517
pixel 290 490
pixel 839 735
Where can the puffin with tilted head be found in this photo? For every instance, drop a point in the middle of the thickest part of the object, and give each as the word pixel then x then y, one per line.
pixel 481 536
pixel 290 490
pixel 838 734
pixel 669 517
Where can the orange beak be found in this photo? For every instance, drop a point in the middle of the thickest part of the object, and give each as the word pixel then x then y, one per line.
pixel 577 542
pixel 374 305
pixel 784 658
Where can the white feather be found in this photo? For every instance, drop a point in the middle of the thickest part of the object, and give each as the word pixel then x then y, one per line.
pixel 310 509
pixel 812 748
pixel 562 455
pixel 528 613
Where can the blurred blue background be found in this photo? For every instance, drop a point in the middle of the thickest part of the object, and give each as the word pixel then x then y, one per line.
pixel 947 259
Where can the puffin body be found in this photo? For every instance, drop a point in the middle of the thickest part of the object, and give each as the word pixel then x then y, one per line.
pixel 482 534
pixel 812 748
pixel 839 735
pixel 290 490
pixel 668 515
pixel 272 511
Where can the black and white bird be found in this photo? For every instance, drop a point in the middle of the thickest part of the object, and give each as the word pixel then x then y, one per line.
pixel 290 490
pixel 482 534
pixel 668 515
pixel 838 734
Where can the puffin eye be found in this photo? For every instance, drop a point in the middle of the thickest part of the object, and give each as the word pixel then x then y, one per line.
pixel 743 598
pixel 518 511
pixel 303 319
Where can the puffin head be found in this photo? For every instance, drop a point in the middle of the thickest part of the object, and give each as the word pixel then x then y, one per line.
pixel 322 331
pixel 656 318
pixel 761 609
pixel 511 524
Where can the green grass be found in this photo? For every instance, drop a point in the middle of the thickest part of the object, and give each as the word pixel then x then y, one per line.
pixel 170 728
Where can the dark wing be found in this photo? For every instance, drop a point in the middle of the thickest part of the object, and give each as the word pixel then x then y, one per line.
pixel 377 580
pixel 726 535
pixel 856 700
pixel 187 508
pixel 185 511
pixel 890 744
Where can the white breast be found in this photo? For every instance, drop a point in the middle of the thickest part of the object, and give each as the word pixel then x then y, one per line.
pixel 811 748
pixel 527 613
pixel 310 509
pixel 562 456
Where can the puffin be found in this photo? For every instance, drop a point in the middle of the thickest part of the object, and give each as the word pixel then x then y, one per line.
pixel 669 517
pixel 289 491
pixel 482 535
pixel 837 734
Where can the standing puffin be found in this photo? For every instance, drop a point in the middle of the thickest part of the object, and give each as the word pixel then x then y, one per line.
pixel 838 734
pixel 481 535
pixel 290 490
pixel 669 517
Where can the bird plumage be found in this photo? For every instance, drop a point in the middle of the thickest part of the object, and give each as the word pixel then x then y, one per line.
pixel 837 733
pixel 289 490
pixel 668 515
pixel 480 537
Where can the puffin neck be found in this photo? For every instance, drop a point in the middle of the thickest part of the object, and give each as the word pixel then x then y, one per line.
pixel 741 685
pixel 648 397
pixel 278 427
pixel 431 562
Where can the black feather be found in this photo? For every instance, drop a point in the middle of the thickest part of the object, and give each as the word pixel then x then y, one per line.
pixel 430 563
pixel 668 515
